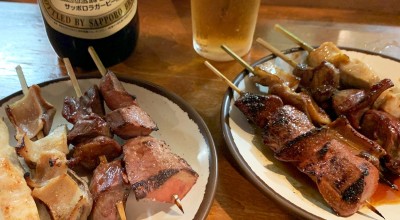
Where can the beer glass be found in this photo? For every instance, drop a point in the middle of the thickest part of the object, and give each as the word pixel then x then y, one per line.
pixel 229 22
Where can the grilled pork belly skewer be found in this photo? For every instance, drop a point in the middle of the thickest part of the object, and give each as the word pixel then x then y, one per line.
pixel 324 158
pixel 41 113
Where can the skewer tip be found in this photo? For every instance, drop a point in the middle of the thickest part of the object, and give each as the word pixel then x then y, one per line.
pixel 178 203
pixel 372 208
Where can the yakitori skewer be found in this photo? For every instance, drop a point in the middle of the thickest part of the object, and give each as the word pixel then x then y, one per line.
pixel 293 64
pixel 241 92
pixel 24 87
pixel 103 159
pixel 103 72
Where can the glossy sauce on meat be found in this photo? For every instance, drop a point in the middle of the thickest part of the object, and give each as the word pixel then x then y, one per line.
pixel 386 195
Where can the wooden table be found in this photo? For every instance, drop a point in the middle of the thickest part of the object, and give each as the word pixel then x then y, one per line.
pixel 164 56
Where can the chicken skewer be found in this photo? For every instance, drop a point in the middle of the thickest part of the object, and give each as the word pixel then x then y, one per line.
pixel 283 84
pixel 344 103
pixel 323 191
pixel 102 158
pixel 353 71
pixel 41 113
pixel 103 72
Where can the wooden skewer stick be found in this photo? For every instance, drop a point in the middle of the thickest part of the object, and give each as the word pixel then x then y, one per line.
pixel 72 76
pixel 121 210
pixel 372 208
pixel 178 202
pixel 237 58
pixel 276 52
pixel 218 73
pixel 24 87
pixel 242 62
pixel 97 61
pixel 294 38
pixel 22 80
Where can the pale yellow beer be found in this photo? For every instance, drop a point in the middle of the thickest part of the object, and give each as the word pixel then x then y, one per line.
pixel 229 22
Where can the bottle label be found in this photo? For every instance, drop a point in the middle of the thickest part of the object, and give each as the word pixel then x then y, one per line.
pixel 88 19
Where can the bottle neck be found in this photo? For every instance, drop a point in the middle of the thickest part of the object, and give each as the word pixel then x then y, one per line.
pixel 88 19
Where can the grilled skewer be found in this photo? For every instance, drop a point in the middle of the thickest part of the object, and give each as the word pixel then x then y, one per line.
pixel 41 113
pixel 251 113
pixel 121 124
pixel 354 104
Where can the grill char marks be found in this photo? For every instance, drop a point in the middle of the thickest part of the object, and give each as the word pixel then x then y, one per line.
pixel 154 172
pixel 258 108
pixel 344 179
pixel 285 124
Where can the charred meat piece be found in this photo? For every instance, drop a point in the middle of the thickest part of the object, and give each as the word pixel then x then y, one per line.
pixel 258 108
pixel 356 104
pixel 114 93
pixel 108 186
pixel 76 108
pixel 131 121
pixel 284 125
pixel 156 173
pixel 31 114
pixel 88 127
pixel 321 82
pixel 87 153
pixel 385 129
pixel 344 180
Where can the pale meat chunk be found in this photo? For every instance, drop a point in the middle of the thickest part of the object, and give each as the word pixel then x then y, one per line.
pixel 6 151
pixel 353 72
pixel 31 114
pixel 51 164
pixel 357 74
pixel 155 172
pixel 31 150
pixel 64 198
pixel 16 201
pixel 327 51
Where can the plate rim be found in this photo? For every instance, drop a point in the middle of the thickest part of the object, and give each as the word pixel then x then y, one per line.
pixel 212 182
pixel 245 168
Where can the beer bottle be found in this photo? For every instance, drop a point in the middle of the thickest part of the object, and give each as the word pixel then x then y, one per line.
pixel 110 26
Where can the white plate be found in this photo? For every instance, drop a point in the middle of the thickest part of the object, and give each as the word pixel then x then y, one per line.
pixel 179 125
pixel 276 179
